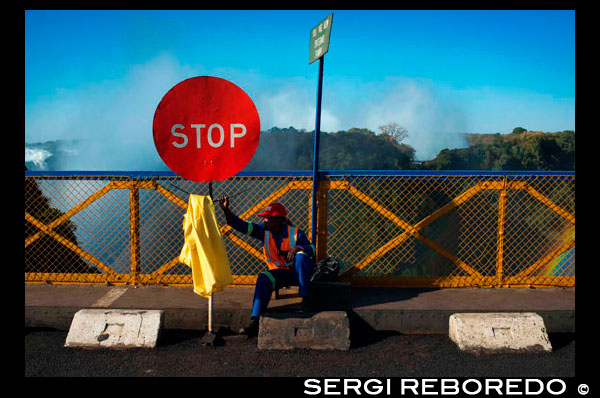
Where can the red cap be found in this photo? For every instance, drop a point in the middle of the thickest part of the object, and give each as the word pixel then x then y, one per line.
pixel 274 209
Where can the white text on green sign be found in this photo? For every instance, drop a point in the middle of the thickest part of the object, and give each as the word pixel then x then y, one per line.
pixel 319 39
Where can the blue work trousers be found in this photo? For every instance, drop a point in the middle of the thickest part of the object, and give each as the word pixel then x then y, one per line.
pixel 267 281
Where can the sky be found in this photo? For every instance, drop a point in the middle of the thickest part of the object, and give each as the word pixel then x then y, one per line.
pixel 98 76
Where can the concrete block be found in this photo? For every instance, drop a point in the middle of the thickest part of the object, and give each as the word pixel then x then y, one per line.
pixel 499 332
pixel 110 328
pixel 328 330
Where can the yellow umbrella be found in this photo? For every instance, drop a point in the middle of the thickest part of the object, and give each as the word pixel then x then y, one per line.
pixel 204 250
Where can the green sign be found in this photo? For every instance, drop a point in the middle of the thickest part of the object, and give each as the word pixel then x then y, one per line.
pixel 319 39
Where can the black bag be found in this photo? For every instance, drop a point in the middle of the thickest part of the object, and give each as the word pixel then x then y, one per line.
pixel 326 270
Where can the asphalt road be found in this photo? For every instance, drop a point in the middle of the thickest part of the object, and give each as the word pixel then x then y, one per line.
pixel 380 354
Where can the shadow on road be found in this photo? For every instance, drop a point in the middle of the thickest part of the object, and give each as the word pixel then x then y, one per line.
pixel 560 340
pixel 362 334
pixel 368 296
pixel 171 337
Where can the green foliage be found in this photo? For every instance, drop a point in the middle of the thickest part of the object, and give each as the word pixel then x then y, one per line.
pixel 520 150
pixel 357 149
pixel 362 149
pixel 283 149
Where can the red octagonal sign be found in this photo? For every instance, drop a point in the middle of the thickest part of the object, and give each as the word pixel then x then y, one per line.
pixel 206 129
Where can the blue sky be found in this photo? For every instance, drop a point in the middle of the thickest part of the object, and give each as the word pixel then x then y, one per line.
pixel 97 76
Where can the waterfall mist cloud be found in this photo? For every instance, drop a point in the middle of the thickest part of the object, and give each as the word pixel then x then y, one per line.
pixel 111 121
pixel 433 118
pixel 294 105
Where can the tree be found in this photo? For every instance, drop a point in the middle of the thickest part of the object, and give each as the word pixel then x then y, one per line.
pixel 46 254
pixel 394 131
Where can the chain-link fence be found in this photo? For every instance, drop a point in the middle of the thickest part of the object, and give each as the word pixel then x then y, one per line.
pixel 429 229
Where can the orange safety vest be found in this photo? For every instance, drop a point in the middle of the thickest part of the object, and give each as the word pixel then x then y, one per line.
pixel 272 255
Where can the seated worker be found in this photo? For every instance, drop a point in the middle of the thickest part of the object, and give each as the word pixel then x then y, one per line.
pixel 289 255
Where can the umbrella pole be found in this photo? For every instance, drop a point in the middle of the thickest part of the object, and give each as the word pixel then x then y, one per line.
pixel 210 337
pixel 210 310
pixel 210 299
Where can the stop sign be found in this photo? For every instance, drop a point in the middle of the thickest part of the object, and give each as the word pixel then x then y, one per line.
pixel 206 129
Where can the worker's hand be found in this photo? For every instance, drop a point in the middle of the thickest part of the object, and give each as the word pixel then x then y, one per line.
pixel 292 253
pixel 224 203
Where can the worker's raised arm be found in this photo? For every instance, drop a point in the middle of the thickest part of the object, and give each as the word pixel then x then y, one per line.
pixel 224 203
pixel 246 227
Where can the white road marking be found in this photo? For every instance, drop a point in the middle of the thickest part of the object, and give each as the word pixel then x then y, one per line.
pixel 110 297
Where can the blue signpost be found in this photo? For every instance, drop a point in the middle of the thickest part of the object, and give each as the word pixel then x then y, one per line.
pixel 319 45
pixel 316 155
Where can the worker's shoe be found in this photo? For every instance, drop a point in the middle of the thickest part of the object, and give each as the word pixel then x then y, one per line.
pixel 307 304
pixel 251 330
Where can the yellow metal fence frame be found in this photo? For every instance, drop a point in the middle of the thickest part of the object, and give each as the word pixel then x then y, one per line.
pixel 409 230
pixel 414 231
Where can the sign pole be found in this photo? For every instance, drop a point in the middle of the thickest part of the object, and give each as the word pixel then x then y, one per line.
pixel 316 155
pixel 210 310
pixel 317 47
pixel 210 298
pixel 210 338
